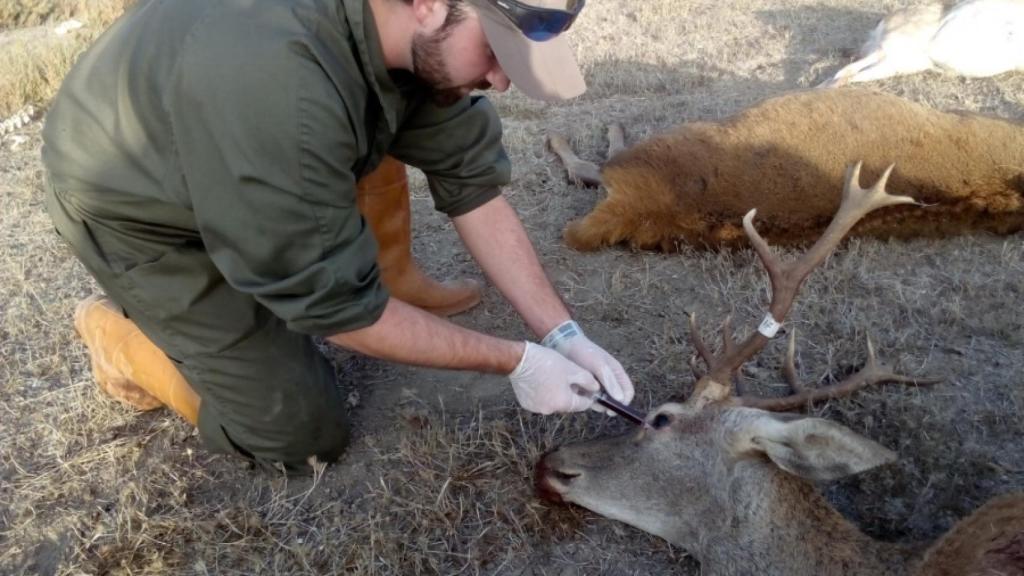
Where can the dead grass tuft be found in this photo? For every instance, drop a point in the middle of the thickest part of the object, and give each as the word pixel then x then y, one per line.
pixel 28 13
pixel 33 58
pixel 456 497
pixel 453 497
pixel 31 71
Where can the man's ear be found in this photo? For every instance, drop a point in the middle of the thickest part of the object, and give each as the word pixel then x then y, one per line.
pixel 811 448
pixel 430 14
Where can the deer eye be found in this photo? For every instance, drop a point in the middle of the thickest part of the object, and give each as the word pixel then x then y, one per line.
pixel 660 421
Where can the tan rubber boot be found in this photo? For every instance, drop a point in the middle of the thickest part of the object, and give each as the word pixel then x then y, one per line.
pixel 127 365
pixel 383 199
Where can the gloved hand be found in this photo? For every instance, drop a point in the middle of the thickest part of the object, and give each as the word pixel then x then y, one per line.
pixel 543 382
pixel 568 339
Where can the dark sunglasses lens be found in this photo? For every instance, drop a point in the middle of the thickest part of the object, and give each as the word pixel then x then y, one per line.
pixel 541 26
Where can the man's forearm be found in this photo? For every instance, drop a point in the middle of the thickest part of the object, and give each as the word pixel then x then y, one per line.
pixel 409 335
pixel 497 240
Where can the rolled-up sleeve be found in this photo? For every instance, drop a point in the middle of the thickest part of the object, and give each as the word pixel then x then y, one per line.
pixel 268 150
pixel 459 149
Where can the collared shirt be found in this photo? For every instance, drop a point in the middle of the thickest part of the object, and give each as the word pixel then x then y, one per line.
pixel 246 123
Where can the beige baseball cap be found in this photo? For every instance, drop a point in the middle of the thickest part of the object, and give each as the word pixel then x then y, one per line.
pixel 545 70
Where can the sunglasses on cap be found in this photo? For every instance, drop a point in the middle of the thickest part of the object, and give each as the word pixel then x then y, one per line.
pixel 539 24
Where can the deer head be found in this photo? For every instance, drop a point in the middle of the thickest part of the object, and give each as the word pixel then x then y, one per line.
pixel 719 472
pixel 692 467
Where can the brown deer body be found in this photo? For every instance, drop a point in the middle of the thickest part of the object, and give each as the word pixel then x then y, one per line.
pixel 786 157
pixel 729 481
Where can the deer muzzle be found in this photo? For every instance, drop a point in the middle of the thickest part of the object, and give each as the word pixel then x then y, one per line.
pixel 551 478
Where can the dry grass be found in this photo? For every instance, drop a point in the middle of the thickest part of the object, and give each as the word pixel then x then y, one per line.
pixel 451 497
pixel 457 498
pixel 438 481
pixel 33 58
pixel 30 13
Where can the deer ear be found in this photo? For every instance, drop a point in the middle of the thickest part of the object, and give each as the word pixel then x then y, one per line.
pixel 812 448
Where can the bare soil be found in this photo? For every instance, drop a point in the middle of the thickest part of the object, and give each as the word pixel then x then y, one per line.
pixel 438 476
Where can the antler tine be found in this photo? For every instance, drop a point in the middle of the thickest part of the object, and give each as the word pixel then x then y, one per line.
pixel 787 278
pixel 727 346
pixel 871 374
pixel 857 202
pixel 727 342
pixel 789 365
pixel 706 389
pixel 697 374
pixel 702 349
pixel 698 342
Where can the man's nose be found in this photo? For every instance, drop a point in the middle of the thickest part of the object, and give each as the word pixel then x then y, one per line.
pixel 497 78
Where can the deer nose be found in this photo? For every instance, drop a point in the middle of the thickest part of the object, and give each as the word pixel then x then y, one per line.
pixel 550 480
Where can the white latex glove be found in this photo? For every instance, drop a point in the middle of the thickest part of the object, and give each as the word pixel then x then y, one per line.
pixel 568 339
pixel 543 382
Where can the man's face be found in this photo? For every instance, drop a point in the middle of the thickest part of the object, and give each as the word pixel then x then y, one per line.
pixel 456 59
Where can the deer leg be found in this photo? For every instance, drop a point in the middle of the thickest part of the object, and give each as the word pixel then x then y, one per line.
pixel 579 171
pixel 850 72
pixel 889 66
pixel 887 69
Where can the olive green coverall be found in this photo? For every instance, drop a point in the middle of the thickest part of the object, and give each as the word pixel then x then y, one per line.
pixel 202 159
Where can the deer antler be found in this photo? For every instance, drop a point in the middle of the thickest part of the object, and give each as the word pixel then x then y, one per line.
pixel 786 279
pixel 873 372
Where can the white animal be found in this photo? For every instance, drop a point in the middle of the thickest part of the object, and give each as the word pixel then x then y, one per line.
pixel 973 38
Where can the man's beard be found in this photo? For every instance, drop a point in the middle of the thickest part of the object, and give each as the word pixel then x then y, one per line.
pixel 429 67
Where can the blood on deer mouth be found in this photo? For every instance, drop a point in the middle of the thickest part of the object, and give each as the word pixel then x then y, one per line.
pixel 549 482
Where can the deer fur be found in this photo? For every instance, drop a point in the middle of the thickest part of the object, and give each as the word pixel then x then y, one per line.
pixel 786 157
pixel 728 485
pixel 988 542
pixel 973 38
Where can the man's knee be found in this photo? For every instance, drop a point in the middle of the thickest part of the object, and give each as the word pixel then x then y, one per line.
pixel 273 398
pixel 318 432
pixel 294 433
pixel 318 440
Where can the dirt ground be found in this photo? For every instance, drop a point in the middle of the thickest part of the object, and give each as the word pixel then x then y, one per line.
pixel 438 476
